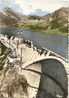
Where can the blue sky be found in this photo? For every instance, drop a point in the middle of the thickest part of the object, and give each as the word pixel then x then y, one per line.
pixel 28 6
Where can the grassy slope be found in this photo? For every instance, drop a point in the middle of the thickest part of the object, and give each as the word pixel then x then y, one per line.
pixel 54 27
pixel 55 23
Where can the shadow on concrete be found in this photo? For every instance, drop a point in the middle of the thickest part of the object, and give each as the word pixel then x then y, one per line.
pixel 54 81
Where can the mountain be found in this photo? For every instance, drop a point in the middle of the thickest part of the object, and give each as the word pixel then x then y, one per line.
pixel 38 12
pixel 8 17
pixel 58 20
pixel 55 22
pixel 63 12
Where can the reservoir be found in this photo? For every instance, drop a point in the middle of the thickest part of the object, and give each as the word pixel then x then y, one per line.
pixel 56 43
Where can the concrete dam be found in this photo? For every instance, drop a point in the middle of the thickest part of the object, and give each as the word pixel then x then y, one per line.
pixel 46 72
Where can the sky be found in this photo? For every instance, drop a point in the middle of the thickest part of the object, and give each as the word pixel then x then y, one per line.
pixel 28 6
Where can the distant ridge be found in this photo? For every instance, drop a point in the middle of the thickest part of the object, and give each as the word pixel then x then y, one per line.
pixel 39 12
pixel 52 21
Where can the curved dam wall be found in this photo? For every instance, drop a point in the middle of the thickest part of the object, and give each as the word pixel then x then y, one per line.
pixel 54 80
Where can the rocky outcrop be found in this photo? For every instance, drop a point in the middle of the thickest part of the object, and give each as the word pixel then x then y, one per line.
pixel 8 17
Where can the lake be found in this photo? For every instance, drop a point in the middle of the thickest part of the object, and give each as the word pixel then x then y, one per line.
pixel 56 43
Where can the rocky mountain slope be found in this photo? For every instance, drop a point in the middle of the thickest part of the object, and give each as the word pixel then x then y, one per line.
pixel 55 22
pixel 8 17
pixel 59 19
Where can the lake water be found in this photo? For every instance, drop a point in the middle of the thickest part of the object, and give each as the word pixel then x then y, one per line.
pixel 56 43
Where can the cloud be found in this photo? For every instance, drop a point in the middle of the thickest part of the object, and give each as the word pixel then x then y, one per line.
pixel 49 5
pixel 29 6
pixel 25 5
